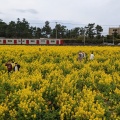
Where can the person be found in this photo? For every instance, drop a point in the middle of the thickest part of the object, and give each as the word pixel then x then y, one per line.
pixel 16 67
pixel 84 55
pixel 13 64
pixel 91 56
pixel 9 66
pixel 80 56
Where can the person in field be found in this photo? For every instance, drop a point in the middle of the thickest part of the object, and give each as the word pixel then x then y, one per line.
pixel 84 55
pixel 16 67
pixel 9 66
pixel 13 64
pixel 80 56
pixel 91 56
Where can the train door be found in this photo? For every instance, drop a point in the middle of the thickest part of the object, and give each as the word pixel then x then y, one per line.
pixel 15 41
pixel 4 41
pixel 27 41
pixel 61 42
pixel 37 41
pixel 47 42
pixel 57 42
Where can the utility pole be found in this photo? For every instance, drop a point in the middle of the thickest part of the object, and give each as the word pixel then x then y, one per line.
pixel 119 30
pixel 113 39
pixel 84 37
pixel 114 35
pixel 56 30
pixel 103 40
pixel 85 31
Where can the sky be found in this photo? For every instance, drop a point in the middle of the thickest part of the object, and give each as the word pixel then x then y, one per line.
pixel 71 13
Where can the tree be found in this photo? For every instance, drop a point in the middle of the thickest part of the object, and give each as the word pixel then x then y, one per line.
pixel 25 28
pixel 98 29
pixel 68 34
pixel 22 28
pixel 46 29
pixel 11 30
pixel 90 31
pixel 18 28
pixel 38 33
pixel 3 27
pixel 59 30
pixel 82 31
pixel 75 32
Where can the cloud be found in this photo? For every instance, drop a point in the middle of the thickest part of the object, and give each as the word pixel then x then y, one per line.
pixel 32 11
pixel 69 13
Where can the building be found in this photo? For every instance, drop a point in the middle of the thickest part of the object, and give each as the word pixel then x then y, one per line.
pixel 114 30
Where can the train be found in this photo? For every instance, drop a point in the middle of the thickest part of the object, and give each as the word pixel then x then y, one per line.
pixel 41 41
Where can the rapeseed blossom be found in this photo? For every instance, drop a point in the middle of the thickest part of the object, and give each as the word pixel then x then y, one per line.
pixel 53 84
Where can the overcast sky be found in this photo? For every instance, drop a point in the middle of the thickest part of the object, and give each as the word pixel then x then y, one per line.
pixel 71 13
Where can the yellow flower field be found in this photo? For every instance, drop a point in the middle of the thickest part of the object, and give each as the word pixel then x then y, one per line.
pixel 53 85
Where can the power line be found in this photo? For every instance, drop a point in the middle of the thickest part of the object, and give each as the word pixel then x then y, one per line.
pixel 73 23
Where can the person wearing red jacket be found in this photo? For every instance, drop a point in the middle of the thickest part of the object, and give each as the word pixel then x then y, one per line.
pixel 9 66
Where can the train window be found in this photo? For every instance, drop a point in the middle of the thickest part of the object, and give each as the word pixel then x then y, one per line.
pixel 9 40
pixel 0 41
pixel 19 40
pixel 43 41
pixel 32 40
pixel 23 40
pixel 52 40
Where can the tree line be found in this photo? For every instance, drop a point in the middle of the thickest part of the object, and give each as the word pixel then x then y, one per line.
pixel 22 29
